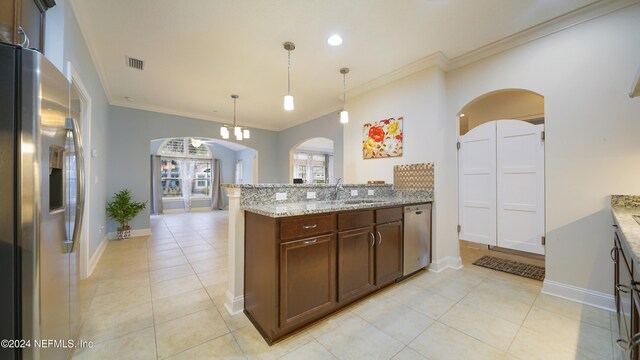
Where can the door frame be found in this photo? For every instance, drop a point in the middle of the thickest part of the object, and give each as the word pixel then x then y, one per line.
pixel 74 78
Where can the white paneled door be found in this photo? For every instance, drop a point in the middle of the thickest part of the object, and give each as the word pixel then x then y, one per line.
pixel 501 185
pixel 520 185
pixel 477 184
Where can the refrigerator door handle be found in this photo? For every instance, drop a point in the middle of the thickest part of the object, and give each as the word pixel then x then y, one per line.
pixel 72 125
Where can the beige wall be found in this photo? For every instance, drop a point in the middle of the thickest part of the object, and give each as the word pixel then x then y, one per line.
pixel 592 148
pixel 428 137
pixel 592 128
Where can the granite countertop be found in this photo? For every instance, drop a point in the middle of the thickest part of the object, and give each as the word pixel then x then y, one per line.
pixel 623 208
pixel 276 210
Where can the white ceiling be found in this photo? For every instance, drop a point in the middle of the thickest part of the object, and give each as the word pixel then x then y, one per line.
pixel 198 52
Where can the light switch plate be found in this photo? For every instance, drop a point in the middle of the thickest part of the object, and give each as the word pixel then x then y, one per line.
pixel 354 192
pixel 370 192
pixel 281 196
pixel 311 194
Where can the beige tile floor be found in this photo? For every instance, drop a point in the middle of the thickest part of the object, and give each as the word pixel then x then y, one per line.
pixel 162 296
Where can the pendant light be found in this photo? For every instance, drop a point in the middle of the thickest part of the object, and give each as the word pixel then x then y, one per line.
pixel 239 132
pixel 288 99
pixel 344 114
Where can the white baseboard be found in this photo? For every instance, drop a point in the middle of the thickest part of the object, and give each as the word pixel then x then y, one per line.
pixel 181 211
pixel 447 262
pixel 234 305
pixel 93 262
pixel 580 295
pixel 134 233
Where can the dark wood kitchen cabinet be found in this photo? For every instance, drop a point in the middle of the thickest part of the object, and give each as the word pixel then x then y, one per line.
pixel 388 252
pixel 626 291
pixel 307 279
pixel 299 269
pixel 22 19
pixel 356 263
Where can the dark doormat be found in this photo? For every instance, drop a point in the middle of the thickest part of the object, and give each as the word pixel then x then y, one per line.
pixel 512 267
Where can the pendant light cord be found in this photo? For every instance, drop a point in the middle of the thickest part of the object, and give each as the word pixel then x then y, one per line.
pixel 344 91
pixel 234 113
pixel 288 72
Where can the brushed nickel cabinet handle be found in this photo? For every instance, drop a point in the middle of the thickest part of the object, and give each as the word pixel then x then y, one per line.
pixel 613 254
pixel 622 288
pixel 622 344
pixel 306 227
pixel 379 238
pixel 25 43
pixel 309 242
pixel 373 239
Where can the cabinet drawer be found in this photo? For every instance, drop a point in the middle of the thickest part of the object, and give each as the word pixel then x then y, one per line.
pixel 388 215
pixel 356 219
pixel 306 226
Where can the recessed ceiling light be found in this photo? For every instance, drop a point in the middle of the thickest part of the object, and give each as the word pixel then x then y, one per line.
pixel 334 40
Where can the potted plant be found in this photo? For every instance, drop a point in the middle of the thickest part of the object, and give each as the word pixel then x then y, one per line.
pixel 122 209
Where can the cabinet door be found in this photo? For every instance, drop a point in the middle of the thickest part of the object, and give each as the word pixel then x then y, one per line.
pixel 32 22
pixel 388 252
pixel 307 279
pixel 355 263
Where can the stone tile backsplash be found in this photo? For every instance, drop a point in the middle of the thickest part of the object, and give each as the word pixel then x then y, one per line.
pixel 413 176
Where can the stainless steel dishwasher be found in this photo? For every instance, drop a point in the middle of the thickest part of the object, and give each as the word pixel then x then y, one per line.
pixel 417 238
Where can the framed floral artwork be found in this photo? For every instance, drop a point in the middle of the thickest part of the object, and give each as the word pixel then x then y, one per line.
pixel 382 139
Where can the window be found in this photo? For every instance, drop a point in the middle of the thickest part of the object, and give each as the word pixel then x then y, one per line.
pixel 172 151
pixel 310 167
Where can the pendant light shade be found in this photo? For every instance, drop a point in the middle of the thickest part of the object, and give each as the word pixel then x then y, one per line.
pixel 344 114
pixel 238 131
pixel 288 102
pixel 288 99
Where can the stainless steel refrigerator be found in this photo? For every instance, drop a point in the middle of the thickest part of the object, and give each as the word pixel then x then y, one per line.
pixel 41 205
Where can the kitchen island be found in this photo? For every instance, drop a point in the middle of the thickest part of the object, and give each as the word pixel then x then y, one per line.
pixel 307 259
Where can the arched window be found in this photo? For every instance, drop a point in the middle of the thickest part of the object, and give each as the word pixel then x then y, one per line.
pixel 174 152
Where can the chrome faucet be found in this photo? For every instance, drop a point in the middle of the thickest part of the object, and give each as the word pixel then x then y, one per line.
pixel 336 195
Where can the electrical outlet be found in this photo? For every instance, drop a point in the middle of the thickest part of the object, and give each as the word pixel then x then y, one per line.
pixel 370 192
pixel 311 194
pixel 354 192
pixel 281 196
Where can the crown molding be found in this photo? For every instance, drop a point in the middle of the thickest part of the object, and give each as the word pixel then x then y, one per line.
pixel 563 22
pixel 549 27
pixel 187 114
pixel 436 59
pixel 88 41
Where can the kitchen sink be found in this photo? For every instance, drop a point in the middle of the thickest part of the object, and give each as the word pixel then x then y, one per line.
pixel 636 218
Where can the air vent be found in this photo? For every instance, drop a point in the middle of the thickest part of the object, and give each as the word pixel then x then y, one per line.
pixel 135 63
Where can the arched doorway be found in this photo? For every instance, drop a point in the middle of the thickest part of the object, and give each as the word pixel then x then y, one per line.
pixel 311 161
pixel 515 104
pixel 501 173
pixel 186 172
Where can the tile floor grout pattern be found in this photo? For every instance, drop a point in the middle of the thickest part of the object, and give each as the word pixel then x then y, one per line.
pixel 162 296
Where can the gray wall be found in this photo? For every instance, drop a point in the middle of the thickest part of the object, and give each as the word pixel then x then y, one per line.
pixel 130 132
pixel 227 162
pixel 247 156
pixel 327 126
pixel 64 43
